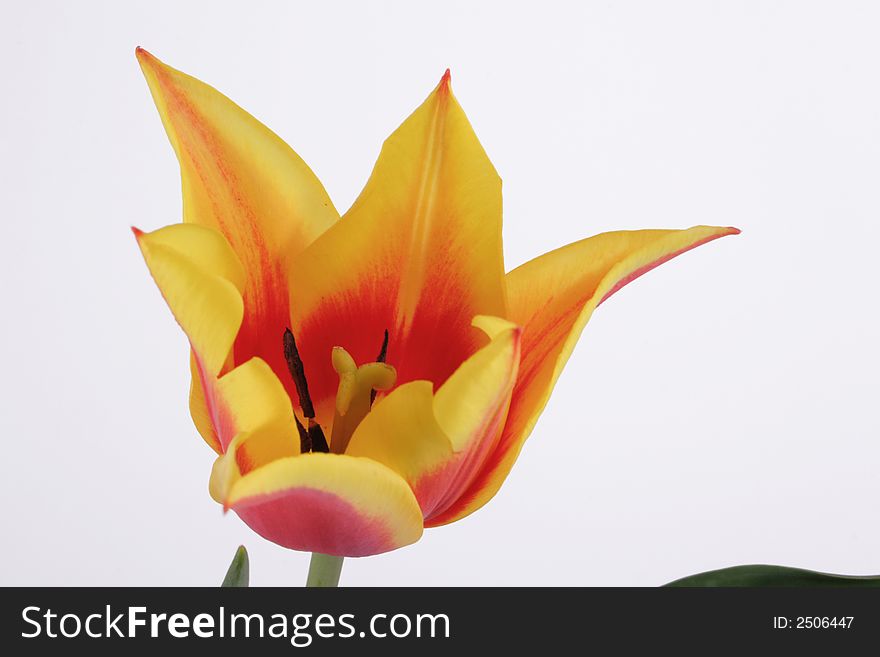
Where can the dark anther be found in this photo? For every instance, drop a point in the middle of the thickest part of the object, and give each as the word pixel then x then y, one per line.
pixel 383 354
pixel 316 437
pixel 311 439
pixel 295 365
pixel 305 443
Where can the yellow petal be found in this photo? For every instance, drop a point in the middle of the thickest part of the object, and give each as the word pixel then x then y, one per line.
pixel 329 503
pixel 254 399
pixel 200 278
pixel 482 382
pixel 243 180
pixel 439 442
pixel 199 409
pixel 402 432
pixel 553 297
pixel 253 419
pixel 247 452
pixel 419 253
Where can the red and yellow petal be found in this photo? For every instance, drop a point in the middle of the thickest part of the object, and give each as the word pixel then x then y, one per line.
pixel 439 442
pixel 253 420
pixel 328 503
pixel 250 398
pixel 200 278
pixel 419 253
pixel 241 179
pixel 199 408
pixel 552 297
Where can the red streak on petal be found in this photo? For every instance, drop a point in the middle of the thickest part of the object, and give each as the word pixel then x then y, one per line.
pixel 438 339
pixel 265 296
pixel 626 280
pixel 445 81
pixel 441 489
pixel 218 409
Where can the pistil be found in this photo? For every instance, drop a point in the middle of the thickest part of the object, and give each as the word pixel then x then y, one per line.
pixel 354 397
pixel 357 386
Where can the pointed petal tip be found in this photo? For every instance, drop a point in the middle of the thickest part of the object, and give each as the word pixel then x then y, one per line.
pixel 143 55
pixel 137 232
pixel 445 81
pixel 633 275
pixel 147 60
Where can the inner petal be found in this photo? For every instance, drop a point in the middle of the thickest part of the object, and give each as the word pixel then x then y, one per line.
pixel 419 253
pixel 439 340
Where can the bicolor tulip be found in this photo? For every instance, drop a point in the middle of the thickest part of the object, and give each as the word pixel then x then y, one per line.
pixel 363 377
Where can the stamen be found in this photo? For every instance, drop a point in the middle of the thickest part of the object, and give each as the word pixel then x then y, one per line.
pixel 311 439
pixel 383 355
pixel 383 352
pixel 317 438
pixel 297 371
pixel 305 443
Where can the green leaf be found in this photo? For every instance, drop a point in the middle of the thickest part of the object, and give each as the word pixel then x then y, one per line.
pixel 238 574
pixel 761 575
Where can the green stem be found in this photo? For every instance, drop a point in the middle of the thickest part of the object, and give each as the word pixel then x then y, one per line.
pixel 324 570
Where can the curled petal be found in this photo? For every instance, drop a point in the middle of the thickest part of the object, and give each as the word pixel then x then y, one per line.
pixel 247 452
pixel 553 297
pixel 329 503
pixel 253 421
pixel 438 442
pixel 200 278
pixel 250 398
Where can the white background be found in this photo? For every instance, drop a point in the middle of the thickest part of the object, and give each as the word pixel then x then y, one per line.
pixel 721 410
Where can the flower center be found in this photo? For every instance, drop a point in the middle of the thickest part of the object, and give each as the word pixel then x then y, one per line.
pixel 354 396
pixel 357 386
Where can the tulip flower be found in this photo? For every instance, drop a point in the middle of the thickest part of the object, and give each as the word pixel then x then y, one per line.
pixel 361 378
